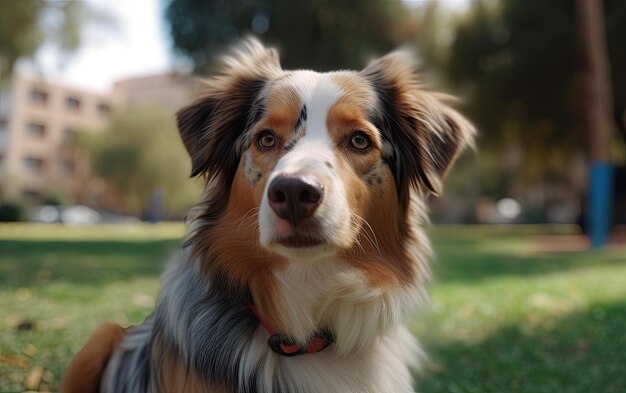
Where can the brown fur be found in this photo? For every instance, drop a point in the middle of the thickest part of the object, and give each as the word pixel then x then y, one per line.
pixel 85 371
pixel 376 251
pixel 237 257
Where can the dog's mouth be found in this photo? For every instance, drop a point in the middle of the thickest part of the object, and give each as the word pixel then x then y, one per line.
pixel 300 241
pixel 305 235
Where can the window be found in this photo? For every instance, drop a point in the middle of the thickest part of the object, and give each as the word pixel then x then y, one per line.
pixel 38 96
pixel 33 165
pixel 36 130
pixel 3 134
pixel 104 109
pixel 72 103
pixel 33 195
pixel 67 167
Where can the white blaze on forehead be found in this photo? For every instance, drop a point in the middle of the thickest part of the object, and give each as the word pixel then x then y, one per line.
pixel 323 96
pixel 318 93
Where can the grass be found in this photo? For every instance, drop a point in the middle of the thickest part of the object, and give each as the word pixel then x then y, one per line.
pixel 508 318
pixel 505 317
pixel 67 281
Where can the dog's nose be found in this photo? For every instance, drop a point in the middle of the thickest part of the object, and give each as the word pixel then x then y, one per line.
pixel 294 198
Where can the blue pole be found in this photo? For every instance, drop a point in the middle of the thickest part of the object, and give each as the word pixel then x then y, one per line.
pixel 600 203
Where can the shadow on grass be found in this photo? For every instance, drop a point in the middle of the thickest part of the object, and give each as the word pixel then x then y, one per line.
pixel 580 353
pixel 471 259
pixel 27 263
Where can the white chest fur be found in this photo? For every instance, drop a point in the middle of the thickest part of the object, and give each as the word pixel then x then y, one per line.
pixel 373 351
pixel 383 368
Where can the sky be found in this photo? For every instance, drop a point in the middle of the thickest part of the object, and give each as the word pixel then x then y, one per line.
pixel 138 45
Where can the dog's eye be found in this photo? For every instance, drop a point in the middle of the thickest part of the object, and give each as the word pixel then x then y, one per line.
pixel 266 140
pixel 360 141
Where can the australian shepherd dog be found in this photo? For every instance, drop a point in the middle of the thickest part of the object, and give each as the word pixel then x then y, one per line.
pixel 306 252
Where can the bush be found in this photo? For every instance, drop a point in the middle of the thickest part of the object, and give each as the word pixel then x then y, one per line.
pixel 11 211
pixel 53 200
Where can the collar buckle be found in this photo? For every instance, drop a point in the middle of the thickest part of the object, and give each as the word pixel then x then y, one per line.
pixel 284 346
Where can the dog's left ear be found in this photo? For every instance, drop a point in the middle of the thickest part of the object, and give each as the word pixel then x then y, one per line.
pixel 426 134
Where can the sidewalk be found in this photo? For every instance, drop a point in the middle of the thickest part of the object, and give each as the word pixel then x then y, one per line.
pixel 575 243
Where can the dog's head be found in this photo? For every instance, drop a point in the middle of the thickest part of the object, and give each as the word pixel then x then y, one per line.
pixel 330 160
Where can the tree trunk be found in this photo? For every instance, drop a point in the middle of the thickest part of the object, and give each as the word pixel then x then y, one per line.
pixel 599 93
pixel 598 105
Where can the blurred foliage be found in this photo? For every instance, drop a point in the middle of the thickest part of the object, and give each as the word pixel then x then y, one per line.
pixel 12 211
pixel 138 154
pixel 25 25
pixel 19 31
pixel 317 34
pixel 54 199
pixel 520 64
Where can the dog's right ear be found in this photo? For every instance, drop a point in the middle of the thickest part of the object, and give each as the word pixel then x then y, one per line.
pixel 211 126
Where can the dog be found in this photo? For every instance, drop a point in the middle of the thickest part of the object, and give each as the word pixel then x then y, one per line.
pixel 306 252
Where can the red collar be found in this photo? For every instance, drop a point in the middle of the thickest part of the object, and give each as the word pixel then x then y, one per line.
pixel 284 346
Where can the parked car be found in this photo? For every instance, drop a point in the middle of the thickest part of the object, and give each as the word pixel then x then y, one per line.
pixel 69 215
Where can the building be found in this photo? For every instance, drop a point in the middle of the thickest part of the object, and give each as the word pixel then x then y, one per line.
pixel 40 121
pixel 169 91
pixel 39 124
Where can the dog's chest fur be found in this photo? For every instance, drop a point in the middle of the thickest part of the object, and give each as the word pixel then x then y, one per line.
pixel 372 352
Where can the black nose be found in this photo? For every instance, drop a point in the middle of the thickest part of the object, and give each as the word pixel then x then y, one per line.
pixel 294 198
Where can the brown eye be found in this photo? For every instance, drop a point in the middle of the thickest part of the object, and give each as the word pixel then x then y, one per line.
pixel 266 140
pixel 360 141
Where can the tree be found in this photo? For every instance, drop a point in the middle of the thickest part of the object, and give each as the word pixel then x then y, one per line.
pixel 520 63
pixel 26 24
pixel 318 34
pixel 599 119
pixel 138 154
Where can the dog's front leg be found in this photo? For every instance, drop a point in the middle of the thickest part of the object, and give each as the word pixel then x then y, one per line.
pixel 85 371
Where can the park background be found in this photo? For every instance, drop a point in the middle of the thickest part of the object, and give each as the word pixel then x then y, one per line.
pixel 92 169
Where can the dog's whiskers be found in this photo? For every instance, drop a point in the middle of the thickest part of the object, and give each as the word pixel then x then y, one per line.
pixel 368 233
pixel 255 213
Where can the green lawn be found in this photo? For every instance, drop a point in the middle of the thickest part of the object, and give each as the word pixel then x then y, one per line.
pixel 505 317
pixel 68 281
